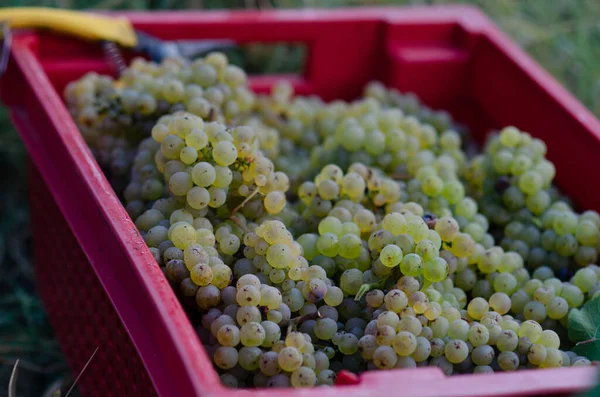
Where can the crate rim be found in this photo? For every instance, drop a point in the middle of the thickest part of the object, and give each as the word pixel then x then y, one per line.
pixel 163 303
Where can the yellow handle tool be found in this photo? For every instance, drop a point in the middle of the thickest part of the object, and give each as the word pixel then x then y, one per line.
pixel 84 25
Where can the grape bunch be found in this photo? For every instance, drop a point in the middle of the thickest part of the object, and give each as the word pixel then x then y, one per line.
pixel 115 115
pixel 306 238
pixel 513 182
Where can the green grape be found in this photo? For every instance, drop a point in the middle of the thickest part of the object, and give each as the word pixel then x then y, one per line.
pixel 351 281
pixel 500 302
pixel 203 174
pixel 584 279
pixel 226 357
pixel 483 355
pixel 228 335
pixel 334 296
pixel 508 361
pixel 404 343
pixel 303 377
pixel 440 327
pixel 462 245
pixel 573 295
pixel 549 339
pixel 458 329
pixel 412 265
pixel 395 223
pixel 325 328
pixel 477 308
pixel 505 282
pixel 279 256
pixel 417 229
pixel 328 245
pixel 456 351
pixel 289 359
pixel 435 270
pixel 447 228
pixel 554 358
pixel 350 246
pixel 530 182
pixel 395 300
pixel 478 334
pixel 384 357
pixel 507 341
pixel 391 256
pixel 331 225
pixel 557 308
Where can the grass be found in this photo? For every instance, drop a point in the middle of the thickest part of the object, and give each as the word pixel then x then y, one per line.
pixel 562 35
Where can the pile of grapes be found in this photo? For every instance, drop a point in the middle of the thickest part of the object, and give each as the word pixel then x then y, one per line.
pixel 306 237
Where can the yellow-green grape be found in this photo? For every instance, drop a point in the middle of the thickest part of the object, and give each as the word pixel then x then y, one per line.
pixel 549 339
pixel 447 228
pixel 334 296
pixel 500 302
pixel 328 245
pixel 391 256
pixel 536 354
pixel 201 274
pixel 351 281
pixel 159 132
pixel 205 237
pixel 458 329
pixel 217 197
pixel 384 357
pixel 228 335
pixel 180 183
pixel 462 245
pixel 279 256
pixel 417 228
pixel 477 308
pixel 404 343
pixel 252 334
pixel 365 220
pixel 557 308
pixel 289 359
pixel 223 177
pixel 508 361
pixel 226 357
pixel 350 246
pixel 478 335
pixel 203 174
pixel 222 275
pixel 224 153
pixel 507 341
pixel 456 351
pixel 274 202
pixel 395 300
pixel 183 235
pixel 530 329
pixel 198 197
pixel 412 265
pixel 394 223
pixel 554 358
pixel 435 270
pixel 573 295
pixel 171 146
pixel 584 279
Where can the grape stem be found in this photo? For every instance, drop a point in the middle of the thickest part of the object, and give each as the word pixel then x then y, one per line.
pixel 585 342
pixel 243 203
pixel 296 321
pixel 367 287
pixel 238 222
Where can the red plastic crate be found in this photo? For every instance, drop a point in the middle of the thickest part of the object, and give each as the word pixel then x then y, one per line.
pixel 100 284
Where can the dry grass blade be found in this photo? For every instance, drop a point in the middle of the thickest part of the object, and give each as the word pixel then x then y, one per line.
pixel 81 372
pixel 12 383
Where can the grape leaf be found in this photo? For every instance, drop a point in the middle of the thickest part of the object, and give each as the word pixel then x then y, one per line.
pixel 584 329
